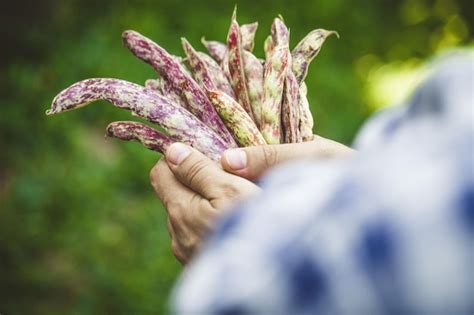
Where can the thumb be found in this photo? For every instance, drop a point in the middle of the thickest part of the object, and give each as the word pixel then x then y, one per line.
pixel 205 177
pixel 252 162
pixel 194 170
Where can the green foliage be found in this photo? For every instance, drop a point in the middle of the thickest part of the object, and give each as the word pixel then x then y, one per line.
pixel 81 231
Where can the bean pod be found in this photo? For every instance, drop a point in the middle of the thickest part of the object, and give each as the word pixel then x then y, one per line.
pixel 180 124
pixel 167 67
pixel 135 131
pixel 236 119
pixel 306 118
pixel 306 50
pixel 279 32
pixel 153 84
pixel 198 66
pixel 236 66
pixel 247 32
pixel 216 49
pixel 254 78
pixel 164 88
pixel 217 74
pixel 275 71
pixel 290 112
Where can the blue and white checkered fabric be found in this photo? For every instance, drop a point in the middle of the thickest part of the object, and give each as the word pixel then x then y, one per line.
pixel 389 230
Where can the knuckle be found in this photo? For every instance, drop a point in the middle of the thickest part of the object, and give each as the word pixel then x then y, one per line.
pixel 269 154
pixel 191 213
pixel 230 190
pixel 197 216
pixel 196 173
pixel 182 212
pixel 178 205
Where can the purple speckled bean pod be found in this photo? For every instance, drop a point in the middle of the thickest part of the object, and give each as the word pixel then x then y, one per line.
pixel 280 34
pixel 254 75
pixel 170 92
pixel 206 71
pixel 306 50
pixel 268 46
pixel 168 68
pixel 275 71
pixel 180 124
pixel 216 49
pixel 306 118
pixel 236 66
pixel 164 88
pixel 290 112
pixel 236 119
pixel 153 84
pixel 136 131
pixel 225 68
pixel 217 75
pixel 247 32
pixel 198 66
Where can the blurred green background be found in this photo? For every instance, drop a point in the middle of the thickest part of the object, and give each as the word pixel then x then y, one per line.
pixel 81 231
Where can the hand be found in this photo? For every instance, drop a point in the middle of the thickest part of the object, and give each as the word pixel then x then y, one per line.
pixel 195 191
pixel 252 162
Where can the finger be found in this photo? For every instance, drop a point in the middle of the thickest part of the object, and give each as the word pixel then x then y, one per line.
pixel 252 162
pixel 176 244
pixel 196 171
pixel 169 190
pixel 186 209
pixel 163 182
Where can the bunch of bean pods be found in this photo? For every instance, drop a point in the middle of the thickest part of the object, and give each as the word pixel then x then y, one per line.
pixel 225 99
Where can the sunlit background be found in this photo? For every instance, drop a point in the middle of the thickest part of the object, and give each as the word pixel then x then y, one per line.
pixel 81 231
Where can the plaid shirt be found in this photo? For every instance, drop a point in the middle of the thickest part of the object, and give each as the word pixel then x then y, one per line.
pixel 389 230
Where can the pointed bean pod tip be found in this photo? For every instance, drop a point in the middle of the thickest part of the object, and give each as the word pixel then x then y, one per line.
pixel 135 131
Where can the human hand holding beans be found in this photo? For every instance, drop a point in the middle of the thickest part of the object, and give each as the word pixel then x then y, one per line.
pixel 196 191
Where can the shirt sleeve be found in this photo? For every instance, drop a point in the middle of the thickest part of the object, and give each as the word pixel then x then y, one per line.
pixel 388 230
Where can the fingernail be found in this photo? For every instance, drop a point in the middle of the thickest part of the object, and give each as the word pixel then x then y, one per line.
pixel 177 152
pixel 236 158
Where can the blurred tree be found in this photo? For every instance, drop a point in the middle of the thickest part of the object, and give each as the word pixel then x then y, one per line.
pixel 80 229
